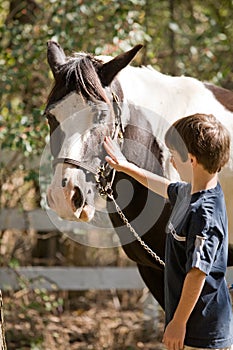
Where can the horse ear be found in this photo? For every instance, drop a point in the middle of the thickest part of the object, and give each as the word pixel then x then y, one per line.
pixel 110 69
pixel 55 56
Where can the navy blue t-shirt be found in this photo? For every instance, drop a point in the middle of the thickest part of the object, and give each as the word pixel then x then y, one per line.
pixel 197 237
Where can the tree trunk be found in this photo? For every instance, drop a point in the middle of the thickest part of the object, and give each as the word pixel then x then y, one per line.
pixel 172 39
pixel 2 326
pixel 24 11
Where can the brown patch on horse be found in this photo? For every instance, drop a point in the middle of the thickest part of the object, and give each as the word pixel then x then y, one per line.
pixel 224 96
pixel 145 152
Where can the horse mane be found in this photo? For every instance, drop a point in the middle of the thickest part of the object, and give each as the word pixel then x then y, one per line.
pixel 79 74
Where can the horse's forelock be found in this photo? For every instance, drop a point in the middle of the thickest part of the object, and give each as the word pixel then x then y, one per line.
pixel 79 74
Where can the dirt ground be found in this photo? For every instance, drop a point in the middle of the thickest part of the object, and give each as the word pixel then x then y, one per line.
pixel 92 320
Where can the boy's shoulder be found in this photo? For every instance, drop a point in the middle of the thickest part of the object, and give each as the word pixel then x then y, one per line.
pixel 208 198
pixel 209 204
pixel 204 201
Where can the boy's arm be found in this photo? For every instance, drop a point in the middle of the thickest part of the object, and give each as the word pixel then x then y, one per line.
pixel 116 159
pixel 175 331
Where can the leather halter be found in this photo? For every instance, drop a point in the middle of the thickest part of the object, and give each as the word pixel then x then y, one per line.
pixel 102 173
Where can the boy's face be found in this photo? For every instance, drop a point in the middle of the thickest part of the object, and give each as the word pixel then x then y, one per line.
pixel 183 168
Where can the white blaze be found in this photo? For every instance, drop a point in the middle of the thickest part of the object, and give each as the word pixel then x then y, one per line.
pixel 76 120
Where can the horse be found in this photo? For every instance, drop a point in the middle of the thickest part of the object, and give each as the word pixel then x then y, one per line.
pixel 94 97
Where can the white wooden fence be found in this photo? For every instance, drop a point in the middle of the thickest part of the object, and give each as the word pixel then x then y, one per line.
pixel 64 278
pixel 68 278
pixel 60 278
pixel 75 278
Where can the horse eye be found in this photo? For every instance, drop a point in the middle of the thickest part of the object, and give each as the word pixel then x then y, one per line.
pixel 104 113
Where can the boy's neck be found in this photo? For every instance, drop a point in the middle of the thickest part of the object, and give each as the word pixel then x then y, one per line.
pixel 203 180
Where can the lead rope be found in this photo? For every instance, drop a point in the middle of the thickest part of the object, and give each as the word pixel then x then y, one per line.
pixel 136 235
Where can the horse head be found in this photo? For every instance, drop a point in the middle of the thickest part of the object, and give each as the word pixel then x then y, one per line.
pixel 83 107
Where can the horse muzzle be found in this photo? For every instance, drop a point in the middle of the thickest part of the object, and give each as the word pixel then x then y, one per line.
pixel 69 205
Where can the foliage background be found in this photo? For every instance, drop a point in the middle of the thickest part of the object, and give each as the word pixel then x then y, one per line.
pixel 191 37
pixel 180 37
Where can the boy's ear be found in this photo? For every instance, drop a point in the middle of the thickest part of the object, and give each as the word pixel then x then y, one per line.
pixel 193 159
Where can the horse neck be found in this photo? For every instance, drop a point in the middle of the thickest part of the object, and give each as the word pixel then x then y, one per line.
pixel 146 88
pixel 143 90
pixel 144 129
pixel 140 146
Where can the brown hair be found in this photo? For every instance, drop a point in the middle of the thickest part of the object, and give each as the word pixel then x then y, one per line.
pixel 204 137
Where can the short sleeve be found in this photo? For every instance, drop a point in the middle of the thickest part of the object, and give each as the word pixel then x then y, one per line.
pixel 172 192
pixel 203 240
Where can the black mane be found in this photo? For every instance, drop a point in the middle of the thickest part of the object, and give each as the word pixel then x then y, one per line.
pixel 80 74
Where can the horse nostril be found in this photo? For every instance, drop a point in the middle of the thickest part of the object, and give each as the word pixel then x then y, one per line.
pixel 77 198
pixel 64 182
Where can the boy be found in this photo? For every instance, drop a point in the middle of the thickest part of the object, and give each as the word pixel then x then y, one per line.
pixel 197 303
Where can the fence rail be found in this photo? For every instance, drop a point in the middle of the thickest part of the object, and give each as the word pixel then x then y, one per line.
pixel 71 278
pixel 36 219
pixel 64 278
pixel 76 278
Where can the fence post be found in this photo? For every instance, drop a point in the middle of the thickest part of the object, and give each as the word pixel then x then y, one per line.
pixel 2 326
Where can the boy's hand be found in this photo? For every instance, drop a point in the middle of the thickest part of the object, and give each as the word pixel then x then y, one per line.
pixel 174 335
pixel 115 157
